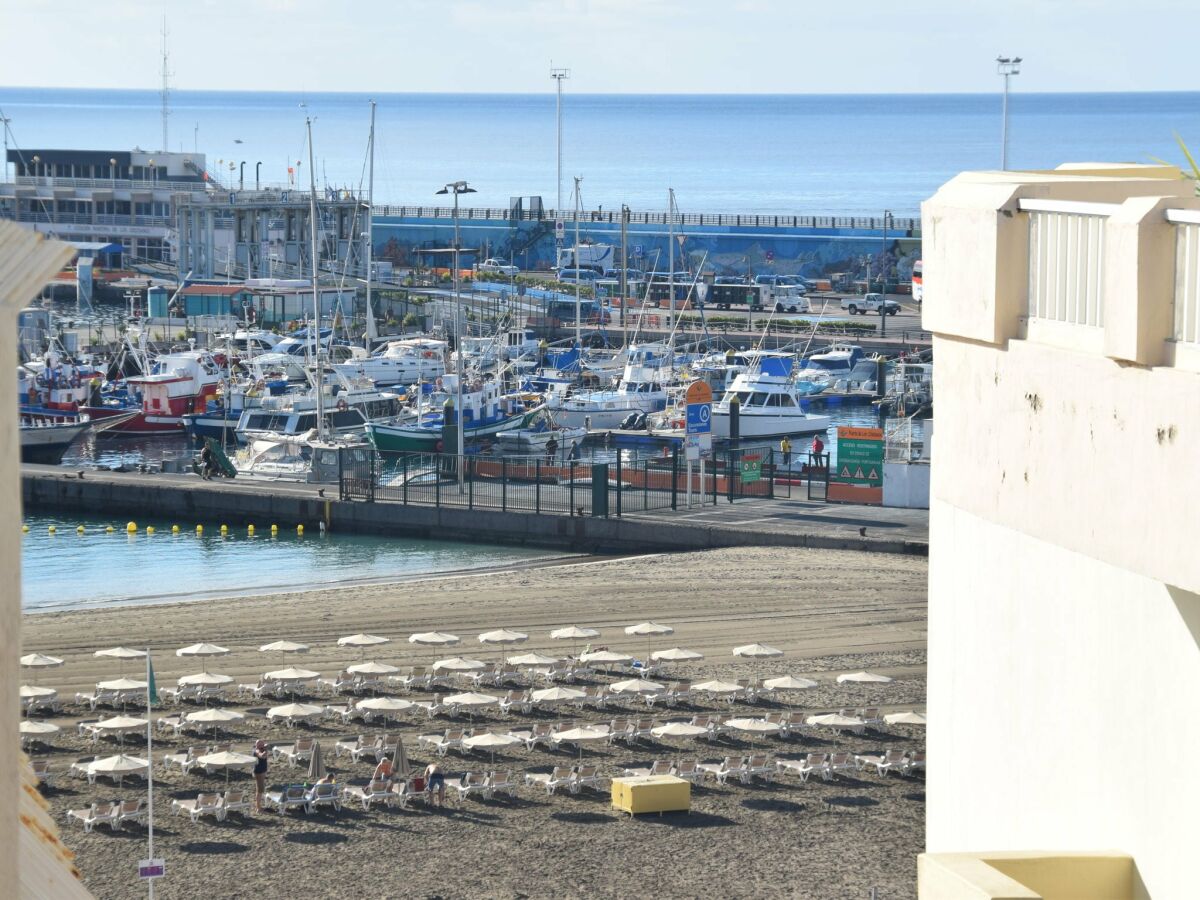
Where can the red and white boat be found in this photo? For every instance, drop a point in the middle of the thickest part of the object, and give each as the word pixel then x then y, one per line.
pixel 178 384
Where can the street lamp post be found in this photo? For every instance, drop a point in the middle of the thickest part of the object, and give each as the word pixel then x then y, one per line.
pixel 558 75
pixel 883 313
pixel 1008 67
pixel 456 188
pixel 257 171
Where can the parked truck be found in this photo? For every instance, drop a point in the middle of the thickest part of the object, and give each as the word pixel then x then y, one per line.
pixel 870 303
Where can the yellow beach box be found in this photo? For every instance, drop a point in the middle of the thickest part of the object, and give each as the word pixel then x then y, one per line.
pixel 651 793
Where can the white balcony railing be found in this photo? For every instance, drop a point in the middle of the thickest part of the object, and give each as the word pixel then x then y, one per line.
pixel 1187 274
pixel 1066 260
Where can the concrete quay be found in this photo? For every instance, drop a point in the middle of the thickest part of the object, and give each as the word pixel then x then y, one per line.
pixel 749 522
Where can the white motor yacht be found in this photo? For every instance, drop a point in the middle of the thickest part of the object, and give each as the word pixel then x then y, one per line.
pixel 770 399
pixel 649 368
pixel 399 362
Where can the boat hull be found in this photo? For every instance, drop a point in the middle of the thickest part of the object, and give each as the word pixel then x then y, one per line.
pixel 428 439
pixel 765 425
pixel 49 443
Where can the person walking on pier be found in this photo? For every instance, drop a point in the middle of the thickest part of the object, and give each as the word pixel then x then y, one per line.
pixel 551 449
pixel 818 448
pixel 785 447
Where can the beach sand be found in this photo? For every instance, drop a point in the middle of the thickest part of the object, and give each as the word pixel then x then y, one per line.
pixel 830 612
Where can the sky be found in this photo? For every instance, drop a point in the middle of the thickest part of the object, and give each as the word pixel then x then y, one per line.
pixel 611 46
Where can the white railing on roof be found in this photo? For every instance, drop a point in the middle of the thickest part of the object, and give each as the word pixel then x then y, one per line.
pixel 1187 274
pixel 1066 260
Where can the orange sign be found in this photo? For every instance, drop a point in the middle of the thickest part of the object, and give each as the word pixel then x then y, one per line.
pixel 851 433
pixel 699 392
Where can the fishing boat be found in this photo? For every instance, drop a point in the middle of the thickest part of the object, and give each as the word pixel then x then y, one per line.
pixel 46 437
pixel 291 415
pixel 487 412
pixel 642 389
pixel 178 383
pixel 535 438
pixel 770 403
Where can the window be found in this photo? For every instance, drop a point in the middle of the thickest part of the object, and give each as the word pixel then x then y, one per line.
pixel 759 399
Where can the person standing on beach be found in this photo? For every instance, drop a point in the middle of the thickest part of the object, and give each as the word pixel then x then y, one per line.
pixel 435 780
pixel 260 773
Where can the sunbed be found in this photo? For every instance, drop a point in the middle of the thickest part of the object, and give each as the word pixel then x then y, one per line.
pixel 131 811
pixel 296 753
pixel 290 797
pixel 202 805
pixel 561 776
pixel 893 760
pixel 235 801
pixel 97 814
pixel 327 794
pixel 369 794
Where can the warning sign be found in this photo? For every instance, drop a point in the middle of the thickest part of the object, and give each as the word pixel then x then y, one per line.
pixel 859 476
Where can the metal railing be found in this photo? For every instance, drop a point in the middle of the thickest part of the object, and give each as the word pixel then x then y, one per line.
pixel 1066 260
pixel 898 226
pixel 116 184
pixel 1187 274
pixel 62 218
pixel 550 485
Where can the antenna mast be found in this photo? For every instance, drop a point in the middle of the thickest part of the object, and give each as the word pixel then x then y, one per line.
pixel 166 87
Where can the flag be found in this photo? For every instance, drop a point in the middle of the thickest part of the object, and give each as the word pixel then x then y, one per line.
pixel 151 689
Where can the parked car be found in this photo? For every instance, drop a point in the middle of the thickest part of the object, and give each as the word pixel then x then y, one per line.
pixel 498 266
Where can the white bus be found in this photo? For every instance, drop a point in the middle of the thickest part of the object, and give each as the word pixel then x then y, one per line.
pixel 918 289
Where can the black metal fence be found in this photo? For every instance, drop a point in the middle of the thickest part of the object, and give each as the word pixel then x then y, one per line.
pixel 617 486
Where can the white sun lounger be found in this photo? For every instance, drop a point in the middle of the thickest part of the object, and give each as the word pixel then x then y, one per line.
pixel 469 783
pixel 41 771
pixel 730 765
pixel 916 760
pixel 184 760
pixel 79 768
pixel 131 811
pixel 893 760
pixel 376 749
pixel 375 792
pixel 842 761
pixel 518 700
pixel 345 745
pixel 500 784
pixel 688 770
pixel 97 814
pixel 561 776
pixel 324 795
pixel 658 767
pixel 237 801
pixel 588 777
pixel 441 744
pixel 296 753
pixel 290 798
pixel 759 765
pixel 536 734
pixel 202 805
pixel 404 794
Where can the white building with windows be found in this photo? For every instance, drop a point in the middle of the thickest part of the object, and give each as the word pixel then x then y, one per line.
pixel 1064 589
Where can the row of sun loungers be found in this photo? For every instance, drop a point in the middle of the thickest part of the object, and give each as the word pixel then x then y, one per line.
pixel 110 698
pixel 219 806
pixel 572 778
pixel 115 814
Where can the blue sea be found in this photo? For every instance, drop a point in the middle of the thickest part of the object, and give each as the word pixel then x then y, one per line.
pixel 795 154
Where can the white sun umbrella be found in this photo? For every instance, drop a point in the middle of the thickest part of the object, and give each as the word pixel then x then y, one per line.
pixel 836 721
pixel 502 636
pixel 636 686
pixel 458 664
pixel 206 678
pixel 120 725
pixel 32 691
pixel 717 687
pixel 864 678
pixel 292 675
pixel 119 765
pixel 38 661
pixel 532 659
pixel 788 683
pixel 33 726
pixel 490 741
pixel 574 633
pixel 294 711
pixel 580 736
pixel 756 651
pixel 906 718
pixel 384 705
pixel 372 668
pixel 122 684
pixel 215 716
pixel 433 638
pixel 753 727
pixel 607 657
pixel 649 630
pixel 124 654
pixel 557 694
pixel 283 647
pixel 227 760
pixel 362 642
pixel 675 654
pixel 204 651
pixel 470 699
pixel 678 730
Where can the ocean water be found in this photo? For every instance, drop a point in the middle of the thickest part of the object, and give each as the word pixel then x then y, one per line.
pixel 119 568
pixel 801 154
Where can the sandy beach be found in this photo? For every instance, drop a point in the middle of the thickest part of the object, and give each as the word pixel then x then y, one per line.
pixel 830 612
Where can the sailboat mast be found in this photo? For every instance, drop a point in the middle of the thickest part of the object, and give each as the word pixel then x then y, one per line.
pixel 312 231
pixel 371 332
pixel 577 316
pixel 670 259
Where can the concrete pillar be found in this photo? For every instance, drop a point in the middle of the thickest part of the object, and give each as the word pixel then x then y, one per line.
pixel 1139 280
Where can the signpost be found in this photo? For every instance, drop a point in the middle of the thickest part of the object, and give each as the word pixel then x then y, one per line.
pixel 698 442
pixel 858 477
pixel 152 868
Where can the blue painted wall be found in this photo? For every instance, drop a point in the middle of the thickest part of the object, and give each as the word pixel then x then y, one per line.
pixel 762 245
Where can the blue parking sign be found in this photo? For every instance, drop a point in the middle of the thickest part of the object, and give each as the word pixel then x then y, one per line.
pixel 699 418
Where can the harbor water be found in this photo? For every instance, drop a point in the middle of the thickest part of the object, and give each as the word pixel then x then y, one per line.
pixel 820 154
pixel 68 570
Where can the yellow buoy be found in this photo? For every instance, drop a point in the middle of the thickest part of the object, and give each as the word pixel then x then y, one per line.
pixel 274 529
pixel 80 530
pixel 25 528
pixel 131 528
pixel 250 529
pixel 174 529
pixel 52 529
pixel 224 529
pixel 199 529
pixel 149 529
pixel 109 530
pixel 299 529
